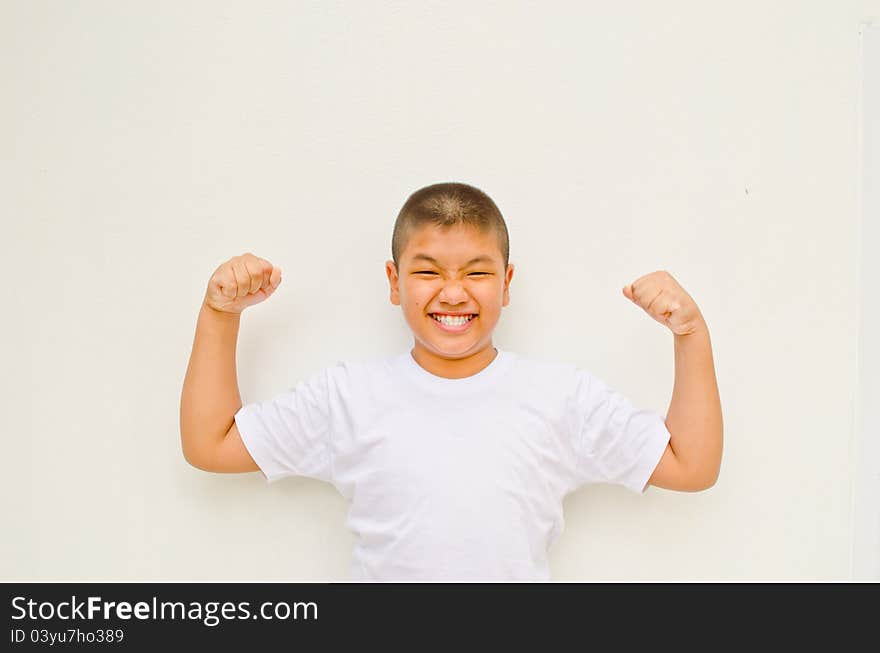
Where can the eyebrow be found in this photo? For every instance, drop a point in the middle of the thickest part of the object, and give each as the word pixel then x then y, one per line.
pixel 431 259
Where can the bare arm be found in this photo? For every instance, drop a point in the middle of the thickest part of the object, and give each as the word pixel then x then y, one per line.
pixel 210 396
pixel 693 456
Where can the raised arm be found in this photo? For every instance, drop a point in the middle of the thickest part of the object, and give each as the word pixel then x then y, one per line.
pixel 692 459
pixel 210 396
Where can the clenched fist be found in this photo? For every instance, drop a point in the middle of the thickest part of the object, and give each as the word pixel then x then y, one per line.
pixel 663 298
pixel 240 282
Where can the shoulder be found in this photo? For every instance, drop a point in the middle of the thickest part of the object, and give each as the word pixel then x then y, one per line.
pixel 360 371
pixel 526 364
pixel 546 373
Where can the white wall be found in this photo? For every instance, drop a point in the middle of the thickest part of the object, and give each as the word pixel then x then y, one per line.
pixel 866 453
pixel 145 143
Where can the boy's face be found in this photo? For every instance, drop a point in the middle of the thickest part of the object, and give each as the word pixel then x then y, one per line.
pixel 453 283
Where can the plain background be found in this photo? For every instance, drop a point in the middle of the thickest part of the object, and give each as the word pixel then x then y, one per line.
pixel 147 142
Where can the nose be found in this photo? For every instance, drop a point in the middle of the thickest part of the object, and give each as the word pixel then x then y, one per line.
pixel 453 292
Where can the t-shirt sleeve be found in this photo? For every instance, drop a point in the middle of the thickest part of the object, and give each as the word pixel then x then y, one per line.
pixel 289 435
pixel 615 441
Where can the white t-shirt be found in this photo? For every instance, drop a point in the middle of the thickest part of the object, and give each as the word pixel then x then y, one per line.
pixel 454 479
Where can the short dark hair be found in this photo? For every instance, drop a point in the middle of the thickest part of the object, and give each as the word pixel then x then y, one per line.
pixel 447 204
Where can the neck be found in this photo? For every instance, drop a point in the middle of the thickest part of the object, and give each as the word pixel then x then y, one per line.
pixel 454 368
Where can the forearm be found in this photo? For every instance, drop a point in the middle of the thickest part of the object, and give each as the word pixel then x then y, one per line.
pixel 210 396
pixel 694 417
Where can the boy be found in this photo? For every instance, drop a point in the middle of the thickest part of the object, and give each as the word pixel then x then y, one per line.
pixel 455 456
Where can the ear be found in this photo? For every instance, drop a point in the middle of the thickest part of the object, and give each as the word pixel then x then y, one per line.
pixel 506 298
pixel 393 281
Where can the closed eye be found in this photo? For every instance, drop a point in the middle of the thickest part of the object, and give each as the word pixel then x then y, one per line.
pixel 469 274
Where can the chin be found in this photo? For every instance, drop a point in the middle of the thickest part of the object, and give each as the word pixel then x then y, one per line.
pixel 451 350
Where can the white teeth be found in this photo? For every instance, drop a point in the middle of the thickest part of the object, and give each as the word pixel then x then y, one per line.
pixel 452 321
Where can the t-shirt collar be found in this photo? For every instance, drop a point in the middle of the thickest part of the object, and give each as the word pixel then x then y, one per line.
pixel 422 376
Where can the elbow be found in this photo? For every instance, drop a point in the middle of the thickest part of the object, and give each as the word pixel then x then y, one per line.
pixel 188 457
pixel 706 479
pixel 191 461
pixel 199 464
pixel 193 455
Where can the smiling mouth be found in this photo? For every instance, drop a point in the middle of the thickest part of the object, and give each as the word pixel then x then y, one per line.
pixel 450 320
